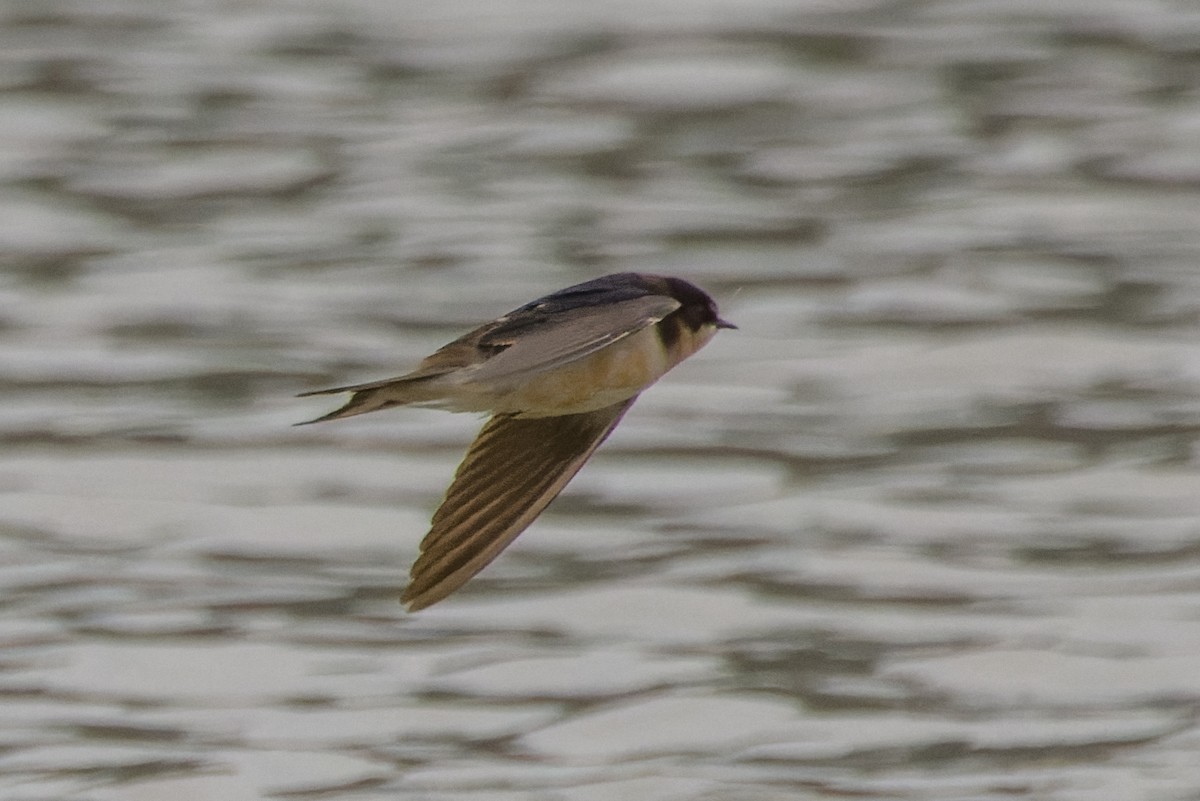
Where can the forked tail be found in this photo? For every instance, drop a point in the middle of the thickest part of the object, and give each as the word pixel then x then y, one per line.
pixel 373 396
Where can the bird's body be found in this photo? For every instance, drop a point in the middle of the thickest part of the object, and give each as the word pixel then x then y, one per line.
pixel 557 375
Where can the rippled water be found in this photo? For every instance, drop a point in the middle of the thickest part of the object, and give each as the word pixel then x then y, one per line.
pixel 926 527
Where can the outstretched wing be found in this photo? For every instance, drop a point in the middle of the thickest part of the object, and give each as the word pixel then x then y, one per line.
pixel 513 470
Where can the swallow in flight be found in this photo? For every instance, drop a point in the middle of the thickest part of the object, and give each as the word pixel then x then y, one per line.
pixel 556 375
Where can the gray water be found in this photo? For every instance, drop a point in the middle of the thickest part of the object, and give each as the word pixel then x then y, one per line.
pixel 926 527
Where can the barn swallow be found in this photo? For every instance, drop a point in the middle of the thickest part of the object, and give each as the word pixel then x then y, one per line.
pixel 556 375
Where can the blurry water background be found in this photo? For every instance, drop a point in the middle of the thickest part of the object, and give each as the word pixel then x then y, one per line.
pixel 926 527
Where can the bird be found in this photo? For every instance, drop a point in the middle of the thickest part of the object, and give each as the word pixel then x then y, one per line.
pixel 556 375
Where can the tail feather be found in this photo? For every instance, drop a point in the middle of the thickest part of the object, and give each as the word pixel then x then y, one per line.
pixel 357 387
pixel 370 397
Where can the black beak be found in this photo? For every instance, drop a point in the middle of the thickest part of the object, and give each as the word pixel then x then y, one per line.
pixel 722 324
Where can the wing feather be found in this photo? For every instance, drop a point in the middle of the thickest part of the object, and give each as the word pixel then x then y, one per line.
pixel 571 335
pixel 512 471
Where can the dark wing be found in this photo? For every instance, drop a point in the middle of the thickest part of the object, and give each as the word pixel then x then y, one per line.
pixel 515 467
pixel 534 345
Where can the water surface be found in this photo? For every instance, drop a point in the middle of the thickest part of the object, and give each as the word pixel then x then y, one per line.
pixel 925 527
